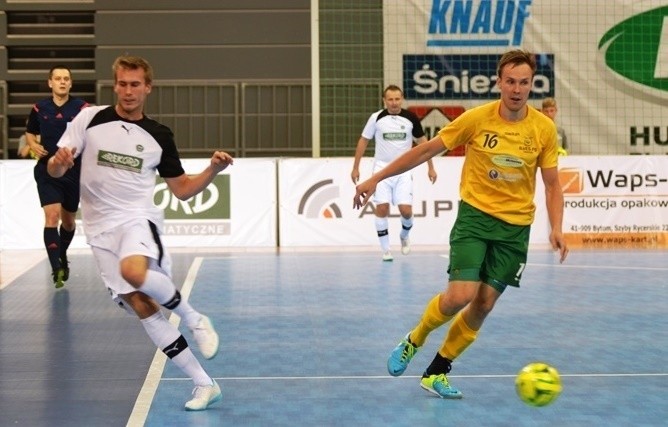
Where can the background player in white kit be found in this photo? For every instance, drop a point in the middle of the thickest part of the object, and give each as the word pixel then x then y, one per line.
pixel 120 150
pixel 394 130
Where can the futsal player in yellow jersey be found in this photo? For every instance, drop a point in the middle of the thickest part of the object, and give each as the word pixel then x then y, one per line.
pixel 506 143
pixel 498 176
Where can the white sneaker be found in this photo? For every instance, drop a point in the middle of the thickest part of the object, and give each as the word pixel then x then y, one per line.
pixel 206 337
pixel 405 246
pixel 387 256
pixel 203 396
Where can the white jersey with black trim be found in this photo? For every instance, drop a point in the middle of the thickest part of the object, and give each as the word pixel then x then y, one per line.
pixel 119 160
pixel 393 133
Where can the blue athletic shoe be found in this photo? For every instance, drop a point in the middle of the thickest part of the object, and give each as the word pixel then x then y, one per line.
pixel 440 386
pixel 401 356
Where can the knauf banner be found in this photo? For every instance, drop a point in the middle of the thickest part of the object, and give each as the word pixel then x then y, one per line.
pixel 605 61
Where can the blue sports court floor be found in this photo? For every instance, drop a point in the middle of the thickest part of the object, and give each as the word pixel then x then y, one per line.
pixel 305 337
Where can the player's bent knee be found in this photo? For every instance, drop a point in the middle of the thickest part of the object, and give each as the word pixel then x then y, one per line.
pixel 141 304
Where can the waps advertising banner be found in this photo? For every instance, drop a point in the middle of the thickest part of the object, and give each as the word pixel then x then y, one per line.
pixel 615 202
pixel 609 76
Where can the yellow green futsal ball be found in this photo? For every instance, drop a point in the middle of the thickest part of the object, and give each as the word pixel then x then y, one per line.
pixel 538 384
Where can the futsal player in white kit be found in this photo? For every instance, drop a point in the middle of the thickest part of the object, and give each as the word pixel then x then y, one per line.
pixel 121 149
pixel 394 129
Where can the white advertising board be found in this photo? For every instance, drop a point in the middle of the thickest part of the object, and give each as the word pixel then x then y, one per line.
pixel 609 202
pixel 238 209
pixel 316 199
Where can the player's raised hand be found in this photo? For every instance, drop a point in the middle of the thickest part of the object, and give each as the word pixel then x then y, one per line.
pixel 220 160
pixel 363 193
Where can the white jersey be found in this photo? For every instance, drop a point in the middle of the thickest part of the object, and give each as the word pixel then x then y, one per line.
pixel 393 134
pixel 118 168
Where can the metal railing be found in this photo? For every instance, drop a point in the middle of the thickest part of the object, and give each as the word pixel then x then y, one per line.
pixel 247 119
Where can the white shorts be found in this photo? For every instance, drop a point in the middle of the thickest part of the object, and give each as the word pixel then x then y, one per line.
pixel 137 237
pixel 396 190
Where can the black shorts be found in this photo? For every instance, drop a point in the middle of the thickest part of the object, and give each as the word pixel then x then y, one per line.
pixel 63 190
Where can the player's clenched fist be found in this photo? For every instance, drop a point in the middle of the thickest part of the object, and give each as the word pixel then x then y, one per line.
pixel 60 162
pixel 220 160
pixel 65 157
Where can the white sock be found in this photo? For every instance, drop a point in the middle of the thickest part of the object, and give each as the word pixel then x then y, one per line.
pixel 164 334
pixel 406 225
pixel 160 287
pixel 383 233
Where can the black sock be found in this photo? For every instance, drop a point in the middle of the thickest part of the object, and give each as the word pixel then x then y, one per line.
pixel 65 240
pixel 440 365
pixel 52 244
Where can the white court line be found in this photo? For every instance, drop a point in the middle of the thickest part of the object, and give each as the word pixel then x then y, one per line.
pixel 388 377
pixel 154 375
pixel 606 267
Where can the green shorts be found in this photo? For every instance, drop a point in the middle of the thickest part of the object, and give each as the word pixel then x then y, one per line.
pixel 484 248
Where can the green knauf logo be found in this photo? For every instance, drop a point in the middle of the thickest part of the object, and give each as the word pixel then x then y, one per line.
pixel 119 161
pixel 634 56
pixel 212 203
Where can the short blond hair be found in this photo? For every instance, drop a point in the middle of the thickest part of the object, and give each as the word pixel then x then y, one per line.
pixel 131 62
pixel 549 102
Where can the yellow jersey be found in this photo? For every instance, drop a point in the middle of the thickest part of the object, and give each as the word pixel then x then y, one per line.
pixel 502 159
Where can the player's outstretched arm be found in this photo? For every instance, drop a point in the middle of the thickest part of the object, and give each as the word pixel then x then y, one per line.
pixel 431 171
pixel 184 186
pixel 407 161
